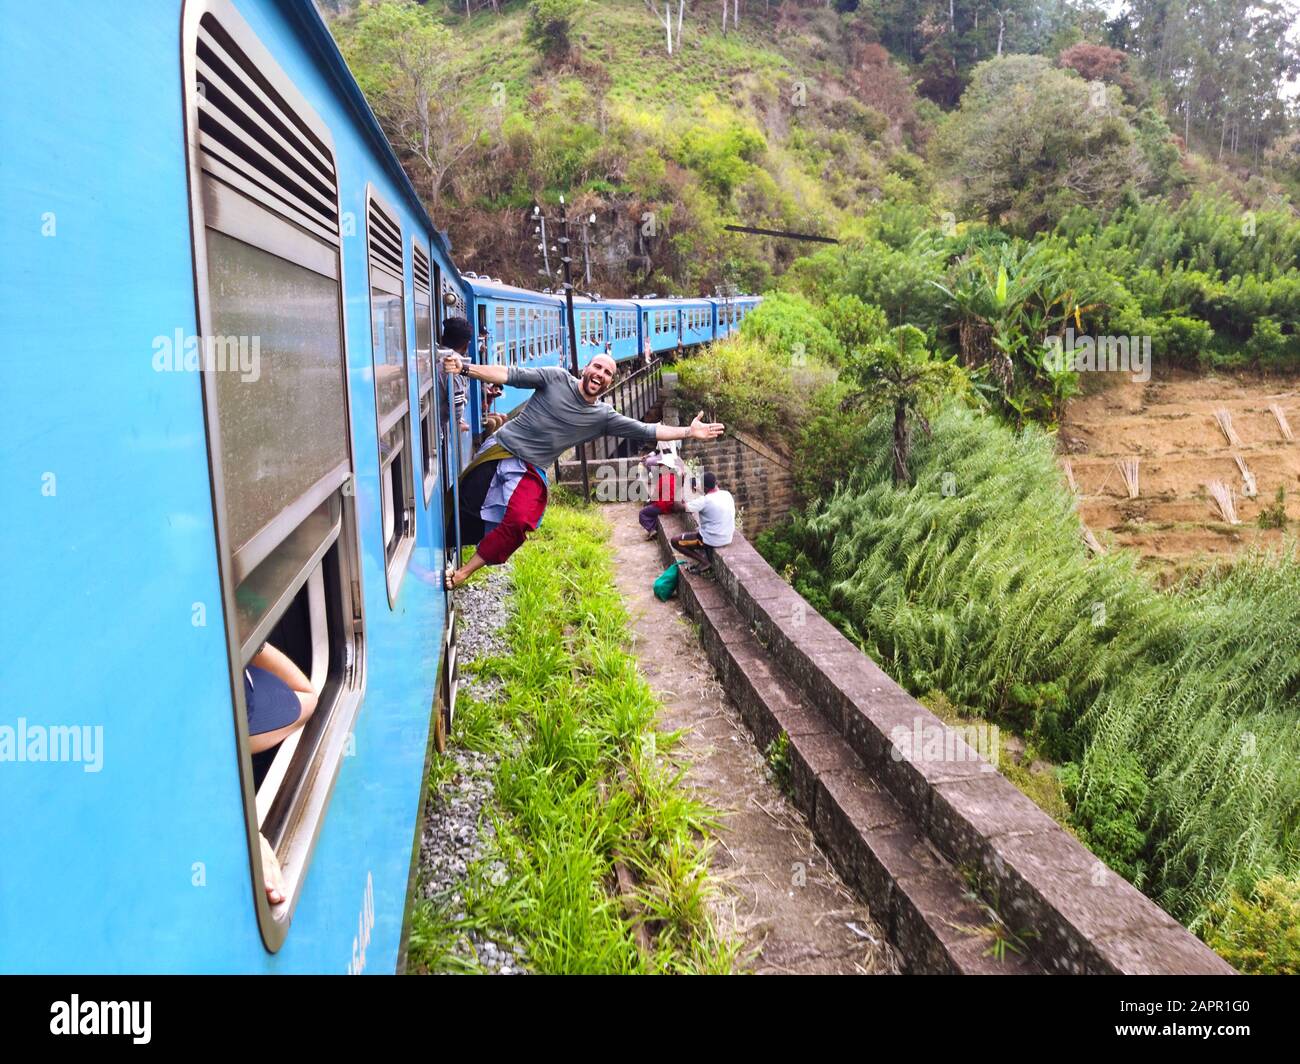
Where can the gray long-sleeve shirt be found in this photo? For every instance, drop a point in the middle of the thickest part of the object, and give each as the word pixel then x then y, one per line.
pixel 557 418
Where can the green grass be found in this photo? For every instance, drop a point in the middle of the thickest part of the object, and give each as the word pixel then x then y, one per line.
pixel 583 779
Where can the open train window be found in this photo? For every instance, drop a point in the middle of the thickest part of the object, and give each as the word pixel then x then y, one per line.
pixel 264 207
pixel 392 390
pixel 425 373
pixel 500 333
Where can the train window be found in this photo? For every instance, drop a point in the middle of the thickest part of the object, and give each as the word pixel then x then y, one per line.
pixel 500 333
pixel 392 398
pixel 424 370
pixel 265 210
pixel 510 335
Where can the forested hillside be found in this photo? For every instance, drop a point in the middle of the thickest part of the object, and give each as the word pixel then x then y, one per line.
pixel 803 115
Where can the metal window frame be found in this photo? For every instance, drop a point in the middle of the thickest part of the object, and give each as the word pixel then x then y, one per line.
pixel 430 461
pixel 256 216
pixel 380 277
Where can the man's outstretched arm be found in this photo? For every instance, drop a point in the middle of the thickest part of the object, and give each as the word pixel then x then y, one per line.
pixel 699 429
pixel 493 374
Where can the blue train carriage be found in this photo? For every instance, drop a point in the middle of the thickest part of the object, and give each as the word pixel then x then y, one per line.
pixel 729 313
pixel 523 328
pixel 621 332
pixel 742 307
pixel 660 324
pixel 697 322
pixel 232 243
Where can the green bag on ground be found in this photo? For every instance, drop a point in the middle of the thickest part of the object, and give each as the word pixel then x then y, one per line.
pixel 666 583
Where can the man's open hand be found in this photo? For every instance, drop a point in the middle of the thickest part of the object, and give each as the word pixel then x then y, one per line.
pixel 705 430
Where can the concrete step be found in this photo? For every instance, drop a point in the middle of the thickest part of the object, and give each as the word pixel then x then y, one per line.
pixel 914 893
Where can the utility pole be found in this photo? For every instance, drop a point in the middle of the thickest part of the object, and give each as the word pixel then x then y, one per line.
pixel 586 256
pixel 567 260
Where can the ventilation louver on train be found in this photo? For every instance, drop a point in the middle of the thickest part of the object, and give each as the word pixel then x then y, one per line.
pixel 385 241
pixel 252 138
pixel 420 262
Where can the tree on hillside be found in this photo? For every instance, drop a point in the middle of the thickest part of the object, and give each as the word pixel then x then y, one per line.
pixel 550 23
pixel 402 60
pixel 1224 65
pixel 1031 141
pixel 899 373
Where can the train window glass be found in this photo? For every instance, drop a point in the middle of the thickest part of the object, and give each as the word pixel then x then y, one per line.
pixel 424 371
pixel 500 333
pixel 392 398
pixel 511 333
pixel 264 201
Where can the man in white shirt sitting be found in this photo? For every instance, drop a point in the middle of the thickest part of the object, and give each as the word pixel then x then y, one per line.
pixel 715 511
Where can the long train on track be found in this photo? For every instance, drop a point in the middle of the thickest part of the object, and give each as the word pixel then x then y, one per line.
pixel 221 305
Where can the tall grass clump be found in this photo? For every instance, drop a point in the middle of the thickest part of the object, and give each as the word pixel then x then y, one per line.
pixel 975 581
pixel 1175 711
pixel 1213 724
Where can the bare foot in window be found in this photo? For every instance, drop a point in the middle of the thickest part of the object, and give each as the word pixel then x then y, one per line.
pixel 272 877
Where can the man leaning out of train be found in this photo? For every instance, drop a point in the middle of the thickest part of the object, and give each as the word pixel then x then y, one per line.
pixel 503 491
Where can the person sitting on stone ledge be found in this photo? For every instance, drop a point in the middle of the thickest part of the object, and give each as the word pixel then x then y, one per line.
pixel 715 511
pixel 670 467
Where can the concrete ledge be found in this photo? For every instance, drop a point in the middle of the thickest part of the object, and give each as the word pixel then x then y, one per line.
pixel 913 891
pixel 905 827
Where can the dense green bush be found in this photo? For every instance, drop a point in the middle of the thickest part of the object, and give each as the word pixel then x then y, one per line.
pixel 790 327
pixel 1259 934
pixel 744 384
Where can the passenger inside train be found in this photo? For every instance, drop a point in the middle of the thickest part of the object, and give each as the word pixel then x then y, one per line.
pixel 280 700
pixel 503 491
pixel 456 336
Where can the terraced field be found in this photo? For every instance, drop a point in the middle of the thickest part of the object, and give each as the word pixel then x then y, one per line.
pixel 1171 426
